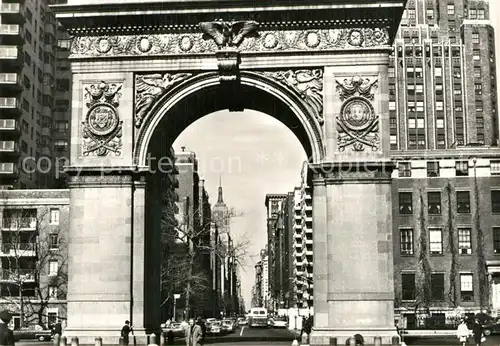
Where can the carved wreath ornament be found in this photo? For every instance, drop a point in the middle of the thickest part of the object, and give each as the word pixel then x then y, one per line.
pixel 357 124
pixel 102 127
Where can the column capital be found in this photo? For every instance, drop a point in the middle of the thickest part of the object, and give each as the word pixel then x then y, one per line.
pixel 105 176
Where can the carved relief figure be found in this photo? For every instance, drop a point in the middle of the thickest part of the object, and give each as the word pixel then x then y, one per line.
pixel 102 127
pixel 228 34
pixel 149 88
pixel 308 84
pixel 357 124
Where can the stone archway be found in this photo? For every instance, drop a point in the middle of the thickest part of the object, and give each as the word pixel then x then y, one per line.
pixel 320 68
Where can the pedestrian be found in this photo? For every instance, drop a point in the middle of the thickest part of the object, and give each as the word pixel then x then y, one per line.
pixel 126 329
pixel 6 335
pixel 477 330
pixel 196 334
pixel 203 326
pixel 463 332
pixel 188 331
pixel 57 329
pixel 304 322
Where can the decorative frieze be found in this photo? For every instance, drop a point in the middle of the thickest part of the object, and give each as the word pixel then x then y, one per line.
pixel 150 87
pixel 100 179
pixel 222 34
pixel 102 127
pixel 357 123
pixel 307 84
pixel 352 172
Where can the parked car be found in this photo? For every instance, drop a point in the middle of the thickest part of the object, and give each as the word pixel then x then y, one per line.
pixel 33 331
pixel 242 321
pixel 228 326
pixel 175 328
pixel 491 327
pixel 215 328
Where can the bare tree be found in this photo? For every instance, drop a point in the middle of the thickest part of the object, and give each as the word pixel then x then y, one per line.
pixel 30 247
pixel 187 238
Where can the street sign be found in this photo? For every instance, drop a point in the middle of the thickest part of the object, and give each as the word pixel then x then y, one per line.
pixel 177 296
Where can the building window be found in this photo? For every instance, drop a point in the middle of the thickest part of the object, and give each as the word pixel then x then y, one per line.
pixel 440 123
pixel 433 169
pixel 405 203
pixel 479 88
pixel 408 286
pixel 436 241
pixel 451 9
pixel 406 241
pixel 437 286
pixel 54 216
pixel 464 241
pixel 53 241
pixel 392 105
pixel 52 292
pixel 61 144
pixel 404 169
pixel 475 37
pixel 466 287
pixel 496 240
pixel 477 72
pixel 463 202
pixel 479 106
pixel 439 105
pixel 53 268
pixel 495 201
pixel 434 202
pixel 462 168
pixel 495 167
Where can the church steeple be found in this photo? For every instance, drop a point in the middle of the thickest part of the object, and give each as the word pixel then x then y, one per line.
pixel 220 200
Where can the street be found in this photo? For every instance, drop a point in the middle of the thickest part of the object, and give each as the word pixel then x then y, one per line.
pixel 282 337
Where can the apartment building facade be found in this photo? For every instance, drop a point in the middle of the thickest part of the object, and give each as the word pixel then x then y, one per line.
pixel 444 141
pixel 34 255
pixel 30 85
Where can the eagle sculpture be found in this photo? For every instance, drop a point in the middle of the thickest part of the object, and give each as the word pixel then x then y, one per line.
pixel 228 34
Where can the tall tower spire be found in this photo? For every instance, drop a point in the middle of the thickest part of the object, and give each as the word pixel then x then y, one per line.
pixel 220 199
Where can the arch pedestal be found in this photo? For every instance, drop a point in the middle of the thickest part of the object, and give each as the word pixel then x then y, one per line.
pixel 137 87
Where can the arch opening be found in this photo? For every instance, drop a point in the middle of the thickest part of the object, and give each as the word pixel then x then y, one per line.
pixel 198 97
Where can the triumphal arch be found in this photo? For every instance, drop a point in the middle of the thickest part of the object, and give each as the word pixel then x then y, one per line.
pixel 144 70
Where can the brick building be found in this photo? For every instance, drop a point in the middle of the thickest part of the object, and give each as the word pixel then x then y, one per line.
pixel 444 137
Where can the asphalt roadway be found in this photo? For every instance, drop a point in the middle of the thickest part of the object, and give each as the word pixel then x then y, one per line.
pixel 282 337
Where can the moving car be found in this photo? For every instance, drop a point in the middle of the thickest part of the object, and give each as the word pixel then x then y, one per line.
pixel 491 327
pixel 31 332
pixel 242 321
pixel 279 322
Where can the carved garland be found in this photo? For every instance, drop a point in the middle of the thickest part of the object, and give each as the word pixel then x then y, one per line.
pixel 227 35
pixel 357 124
pixel 102 127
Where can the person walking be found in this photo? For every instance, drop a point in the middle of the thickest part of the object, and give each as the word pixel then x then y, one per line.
pixel 6 335
pixel 196 334
pixel 126 329
pixel 477 330
pixel 188 330
pixel 463 332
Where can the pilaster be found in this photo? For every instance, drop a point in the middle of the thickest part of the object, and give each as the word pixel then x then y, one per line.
pixel 100 268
